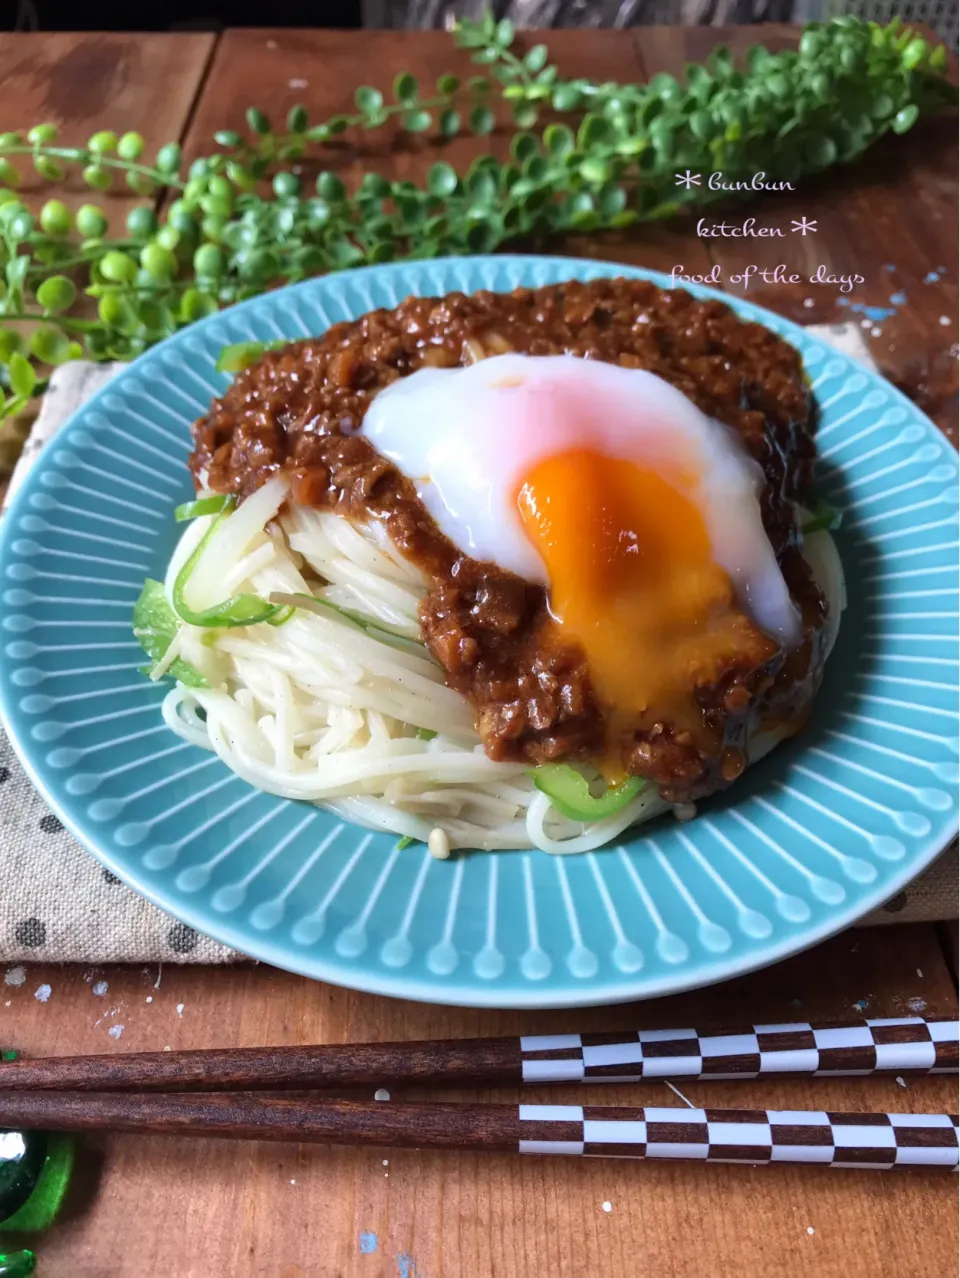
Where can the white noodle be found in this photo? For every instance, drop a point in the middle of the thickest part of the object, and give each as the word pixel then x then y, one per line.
pixel 258 558
pixel 321 710
pixel 438 844
pixel 646 805
pixel 168 658
pixel 180 714
pixel 228 544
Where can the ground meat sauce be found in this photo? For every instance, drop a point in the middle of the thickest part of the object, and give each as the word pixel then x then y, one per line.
pixel 298 410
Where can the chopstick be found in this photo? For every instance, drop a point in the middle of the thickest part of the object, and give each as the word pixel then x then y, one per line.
pixel 877 1141
pixel 899 1045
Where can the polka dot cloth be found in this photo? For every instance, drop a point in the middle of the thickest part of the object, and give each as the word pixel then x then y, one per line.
pixel 59 904
pixel 56 901
pixel 32 933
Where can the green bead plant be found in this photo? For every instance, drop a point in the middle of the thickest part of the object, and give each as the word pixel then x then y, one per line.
pixel 239 221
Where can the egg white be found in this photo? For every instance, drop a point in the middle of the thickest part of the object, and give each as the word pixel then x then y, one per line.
pixel 467 437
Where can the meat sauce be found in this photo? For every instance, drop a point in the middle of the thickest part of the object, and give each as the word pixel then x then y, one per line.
pixel 298 410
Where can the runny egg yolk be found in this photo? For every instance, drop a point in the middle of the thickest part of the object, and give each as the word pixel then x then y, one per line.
pixel 633 582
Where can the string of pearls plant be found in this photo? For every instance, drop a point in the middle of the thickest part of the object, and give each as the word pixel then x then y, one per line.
pixel 240 220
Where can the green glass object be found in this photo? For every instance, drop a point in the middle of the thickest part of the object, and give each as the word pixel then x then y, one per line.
pixel 17 1264
pixel 35 1169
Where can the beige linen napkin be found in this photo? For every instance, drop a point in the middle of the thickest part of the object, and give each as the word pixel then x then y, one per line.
pixel 58 904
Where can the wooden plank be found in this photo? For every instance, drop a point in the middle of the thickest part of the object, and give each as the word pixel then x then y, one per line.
pixel 950 940
pixel 299 1212
pixel 276 69
pixel 890 218
pixel 321 69
pixel 87 81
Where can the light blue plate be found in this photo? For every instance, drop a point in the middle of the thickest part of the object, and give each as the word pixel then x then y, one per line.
pixel 825 829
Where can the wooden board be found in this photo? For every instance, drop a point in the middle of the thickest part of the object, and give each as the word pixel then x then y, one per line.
pixel 276 69
pixel 89 81
pixel 201 1209
pixel 950 940
pixel 84 82
pixel 890 218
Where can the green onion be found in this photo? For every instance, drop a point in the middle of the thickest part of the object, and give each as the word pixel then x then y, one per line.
pixel 204 506
pixel 384 634
pixel 155 625
pixel 310 603
pixel 282 617
pixel 241 355
pixel 570 794
pixel 405 842
pixel 240 610
pixel 823 518
pixel 424 734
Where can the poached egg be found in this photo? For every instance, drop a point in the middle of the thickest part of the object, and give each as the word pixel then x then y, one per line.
pixel 638 514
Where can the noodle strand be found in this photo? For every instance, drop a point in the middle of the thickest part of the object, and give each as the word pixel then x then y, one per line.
pixel 321 710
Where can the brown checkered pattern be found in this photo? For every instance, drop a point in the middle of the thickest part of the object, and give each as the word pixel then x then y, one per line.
pixel 742 1135
pixel 902 1044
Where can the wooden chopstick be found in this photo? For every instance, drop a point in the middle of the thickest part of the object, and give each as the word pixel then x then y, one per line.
pixel 899 1045
pixel 708 1135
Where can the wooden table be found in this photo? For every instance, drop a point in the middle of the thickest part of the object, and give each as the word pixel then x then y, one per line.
pixel 143 1208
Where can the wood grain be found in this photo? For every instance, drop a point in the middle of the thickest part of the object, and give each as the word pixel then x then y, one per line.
pixel 145 1205
pixel 277 69
pixel 248 1116
pixel 890 218
pixel 894 209
pixel 668 1131
pixel 949 933
pixel 83 82
pixel 473 1062
pixel 87 81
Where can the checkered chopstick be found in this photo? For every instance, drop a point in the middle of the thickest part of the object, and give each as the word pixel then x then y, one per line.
pixel 612 1131
pixel 743 1135
pixel 902 1044
pixel 897 1045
